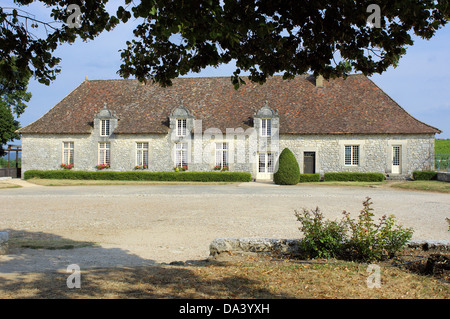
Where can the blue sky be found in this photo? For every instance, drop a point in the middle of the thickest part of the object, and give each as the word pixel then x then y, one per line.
pixel 420 84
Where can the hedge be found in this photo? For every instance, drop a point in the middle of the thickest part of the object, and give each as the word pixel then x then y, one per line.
pixel 424 175
pixel 306 178
pixel 141 176
pixel 353 177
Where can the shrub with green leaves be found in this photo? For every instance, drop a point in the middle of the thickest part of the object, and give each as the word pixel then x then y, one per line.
pixel 355 239
pixel 288 172
pixel 323 238
pixel 353 177
pixel 141 176
pixel 424 175
pixel 308 178
pixel 369 240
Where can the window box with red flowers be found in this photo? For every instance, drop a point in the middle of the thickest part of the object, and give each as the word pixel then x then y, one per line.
pixel 137 167
pixel 102 166
pixel 66 166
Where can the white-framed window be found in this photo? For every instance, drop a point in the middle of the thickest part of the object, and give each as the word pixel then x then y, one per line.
pixel 181 154
pixel 68 153
pixel 396 155
pixel 105 127
pixel 351 155
pixel 221 155
pixel 104 153
pixel 181 127
pixel 266 127
pixel 141 154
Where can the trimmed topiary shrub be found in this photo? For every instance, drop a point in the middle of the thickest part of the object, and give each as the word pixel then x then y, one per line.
pixel 424 175
pixel 141 176
pixel 308 178
pixel 288 172
pixel 353 177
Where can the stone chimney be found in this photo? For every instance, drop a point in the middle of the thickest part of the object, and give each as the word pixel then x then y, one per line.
pixel 319 81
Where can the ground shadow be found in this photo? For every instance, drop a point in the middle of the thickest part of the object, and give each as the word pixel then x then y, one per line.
pixel 108 273
pixel 39 252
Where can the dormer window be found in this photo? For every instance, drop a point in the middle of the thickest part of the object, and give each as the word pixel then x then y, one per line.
pixel 266 127
pixel 105 128
pixel 181 122
pixel 266 122
pixel 105 122
pixel 181 127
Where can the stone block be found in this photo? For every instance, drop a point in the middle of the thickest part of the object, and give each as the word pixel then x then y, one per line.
pixel 443 176
pixel 254 245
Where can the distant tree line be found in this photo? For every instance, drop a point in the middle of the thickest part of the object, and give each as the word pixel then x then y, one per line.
pixel 12 163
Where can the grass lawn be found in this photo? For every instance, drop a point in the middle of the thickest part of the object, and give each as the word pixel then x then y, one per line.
pixel 430 186
pixel 337 183
pixel 8 185
pixel 442 146
pixel 238 277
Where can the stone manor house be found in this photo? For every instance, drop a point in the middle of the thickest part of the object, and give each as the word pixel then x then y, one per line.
pixel 204 124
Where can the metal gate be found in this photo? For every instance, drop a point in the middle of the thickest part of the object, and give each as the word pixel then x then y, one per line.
pixel 13 171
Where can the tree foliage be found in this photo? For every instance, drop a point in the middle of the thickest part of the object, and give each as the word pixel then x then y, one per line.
pixel 262 37
pixel 13 96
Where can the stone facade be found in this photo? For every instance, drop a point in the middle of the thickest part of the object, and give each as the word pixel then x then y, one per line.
pixel 45 151
pixel 339 125
pixel 375 152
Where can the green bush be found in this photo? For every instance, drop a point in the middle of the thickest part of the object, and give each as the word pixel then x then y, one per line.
pixel 353 177
pixel 141 176
pixel 371 241
pixel 307 178
pixel 323 238
pixel 288 172
pixel 361 239
pixel 424 175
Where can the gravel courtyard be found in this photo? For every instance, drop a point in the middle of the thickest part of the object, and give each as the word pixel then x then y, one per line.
pixel 147 224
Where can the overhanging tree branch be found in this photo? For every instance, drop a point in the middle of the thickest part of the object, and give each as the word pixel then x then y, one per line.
pixel 263 37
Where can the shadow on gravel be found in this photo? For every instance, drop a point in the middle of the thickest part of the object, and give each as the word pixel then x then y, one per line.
pixel 36 267
pixel 40 252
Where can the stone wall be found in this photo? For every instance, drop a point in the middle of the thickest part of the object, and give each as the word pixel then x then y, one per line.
pixel 45 152
pixel 223 245
pixel 375 151
pixel 443 176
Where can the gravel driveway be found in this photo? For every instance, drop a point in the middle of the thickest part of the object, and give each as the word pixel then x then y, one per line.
pixel 148 224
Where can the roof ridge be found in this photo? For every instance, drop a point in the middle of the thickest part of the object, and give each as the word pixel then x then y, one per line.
pixel 305 75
